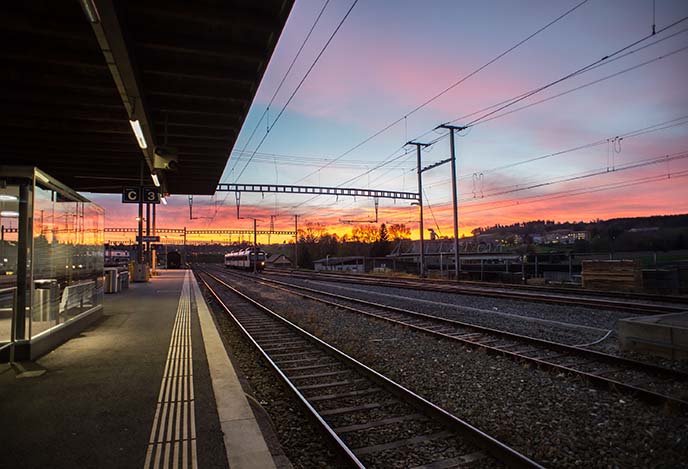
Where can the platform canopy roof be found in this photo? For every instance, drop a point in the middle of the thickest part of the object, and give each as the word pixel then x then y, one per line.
pixel 76 72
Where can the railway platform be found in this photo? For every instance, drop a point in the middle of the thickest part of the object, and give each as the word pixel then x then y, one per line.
pixel 149 385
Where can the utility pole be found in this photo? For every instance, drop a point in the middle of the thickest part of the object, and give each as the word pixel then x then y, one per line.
pixel 148 219
pixel 420 204
pixel 154 256
pixel 184 249
pixel 140 240
pixel 296 241
pixel 455 197
pixel 255 247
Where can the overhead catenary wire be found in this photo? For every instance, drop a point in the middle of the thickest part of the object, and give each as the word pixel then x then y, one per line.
pixel 594 82
pixel 284 78
pixel 641 164
pixel 573 74
pixel 513 100
pixel 678 121
pixel 397 157
pixel 602 64
pixel 578 176
pixel 450 87
pixel 298 87
pixel 574 192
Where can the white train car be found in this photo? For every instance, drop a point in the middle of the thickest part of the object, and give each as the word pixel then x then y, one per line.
pixel 246 259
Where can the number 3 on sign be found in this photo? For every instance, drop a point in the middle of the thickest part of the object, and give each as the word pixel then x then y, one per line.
pixel 151 195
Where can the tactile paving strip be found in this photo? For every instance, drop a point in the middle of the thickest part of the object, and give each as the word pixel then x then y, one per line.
pixel 172 442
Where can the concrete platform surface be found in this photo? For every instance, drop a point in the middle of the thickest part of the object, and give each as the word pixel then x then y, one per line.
pixel 137 389
pixel 664 335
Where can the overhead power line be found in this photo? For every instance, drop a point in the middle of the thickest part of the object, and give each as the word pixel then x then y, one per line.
pixel 575 192
pixel 597 172
pixel 577 88
pixel 450 87
pixel 602 62
pixel 284 77
pixel 573 74
pixel 631 52
pixel 665 159
pixel 298 87
pixel 683 120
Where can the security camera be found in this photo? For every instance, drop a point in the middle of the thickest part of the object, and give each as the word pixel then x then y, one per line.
pixel 165 158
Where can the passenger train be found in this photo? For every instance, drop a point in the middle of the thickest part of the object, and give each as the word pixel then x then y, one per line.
pixel 247 259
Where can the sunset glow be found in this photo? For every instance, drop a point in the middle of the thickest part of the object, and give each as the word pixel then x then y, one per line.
pixel 357 89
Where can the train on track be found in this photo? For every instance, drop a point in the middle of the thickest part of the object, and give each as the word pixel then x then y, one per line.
pixel 246 259
pixel 174 260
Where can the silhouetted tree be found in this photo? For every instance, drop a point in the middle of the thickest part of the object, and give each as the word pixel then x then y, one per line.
pixel 381 247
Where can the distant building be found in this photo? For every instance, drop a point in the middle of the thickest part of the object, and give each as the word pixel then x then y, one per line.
pixel 564 237
pixel 278 260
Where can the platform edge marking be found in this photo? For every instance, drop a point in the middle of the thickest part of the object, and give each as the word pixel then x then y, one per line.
pixel 232 405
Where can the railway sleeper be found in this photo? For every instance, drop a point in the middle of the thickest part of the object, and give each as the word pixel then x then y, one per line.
pixel 332 397
pixel 399 443
pixel 309 367
pixel 322 375
pixel 379 423
pixel 301 360
pixel 330 385
pixel 454 462
pixel 350 410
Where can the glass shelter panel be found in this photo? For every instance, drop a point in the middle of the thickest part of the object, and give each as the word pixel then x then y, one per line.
pixel 68 258
pixel 9 216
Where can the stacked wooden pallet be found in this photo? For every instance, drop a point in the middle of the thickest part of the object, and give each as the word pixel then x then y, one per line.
pixel 621 275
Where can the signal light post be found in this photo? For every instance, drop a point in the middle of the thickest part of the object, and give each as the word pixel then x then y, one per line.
pixel 255 246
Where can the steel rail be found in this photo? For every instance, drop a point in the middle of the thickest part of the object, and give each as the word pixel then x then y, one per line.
pixel 597 379
pixel 336 443
pixel 490 445
pixel 566 299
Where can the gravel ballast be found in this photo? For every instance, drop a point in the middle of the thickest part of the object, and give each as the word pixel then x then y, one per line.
pixel 508 315
pixel 558 420
pixel 301 443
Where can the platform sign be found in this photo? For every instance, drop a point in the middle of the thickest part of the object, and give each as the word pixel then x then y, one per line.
pixel 148 239
pixel 131 194
pixel 151 195
pixel 136 194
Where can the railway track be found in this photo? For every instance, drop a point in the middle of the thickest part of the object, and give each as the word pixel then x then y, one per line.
pixel 632 303
pixel 369 419
pixel 653 383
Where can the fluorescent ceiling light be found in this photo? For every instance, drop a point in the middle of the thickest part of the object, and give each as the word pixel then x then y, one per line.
pixel 90 10
pixel 138 131
pixel 9 214
pixel 8 198
pixel 155 179
pixel 42 177
pixel 163 200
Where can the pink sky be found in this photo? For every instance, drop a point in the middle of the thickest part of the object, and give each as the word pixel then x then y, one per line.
pixel 386 61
